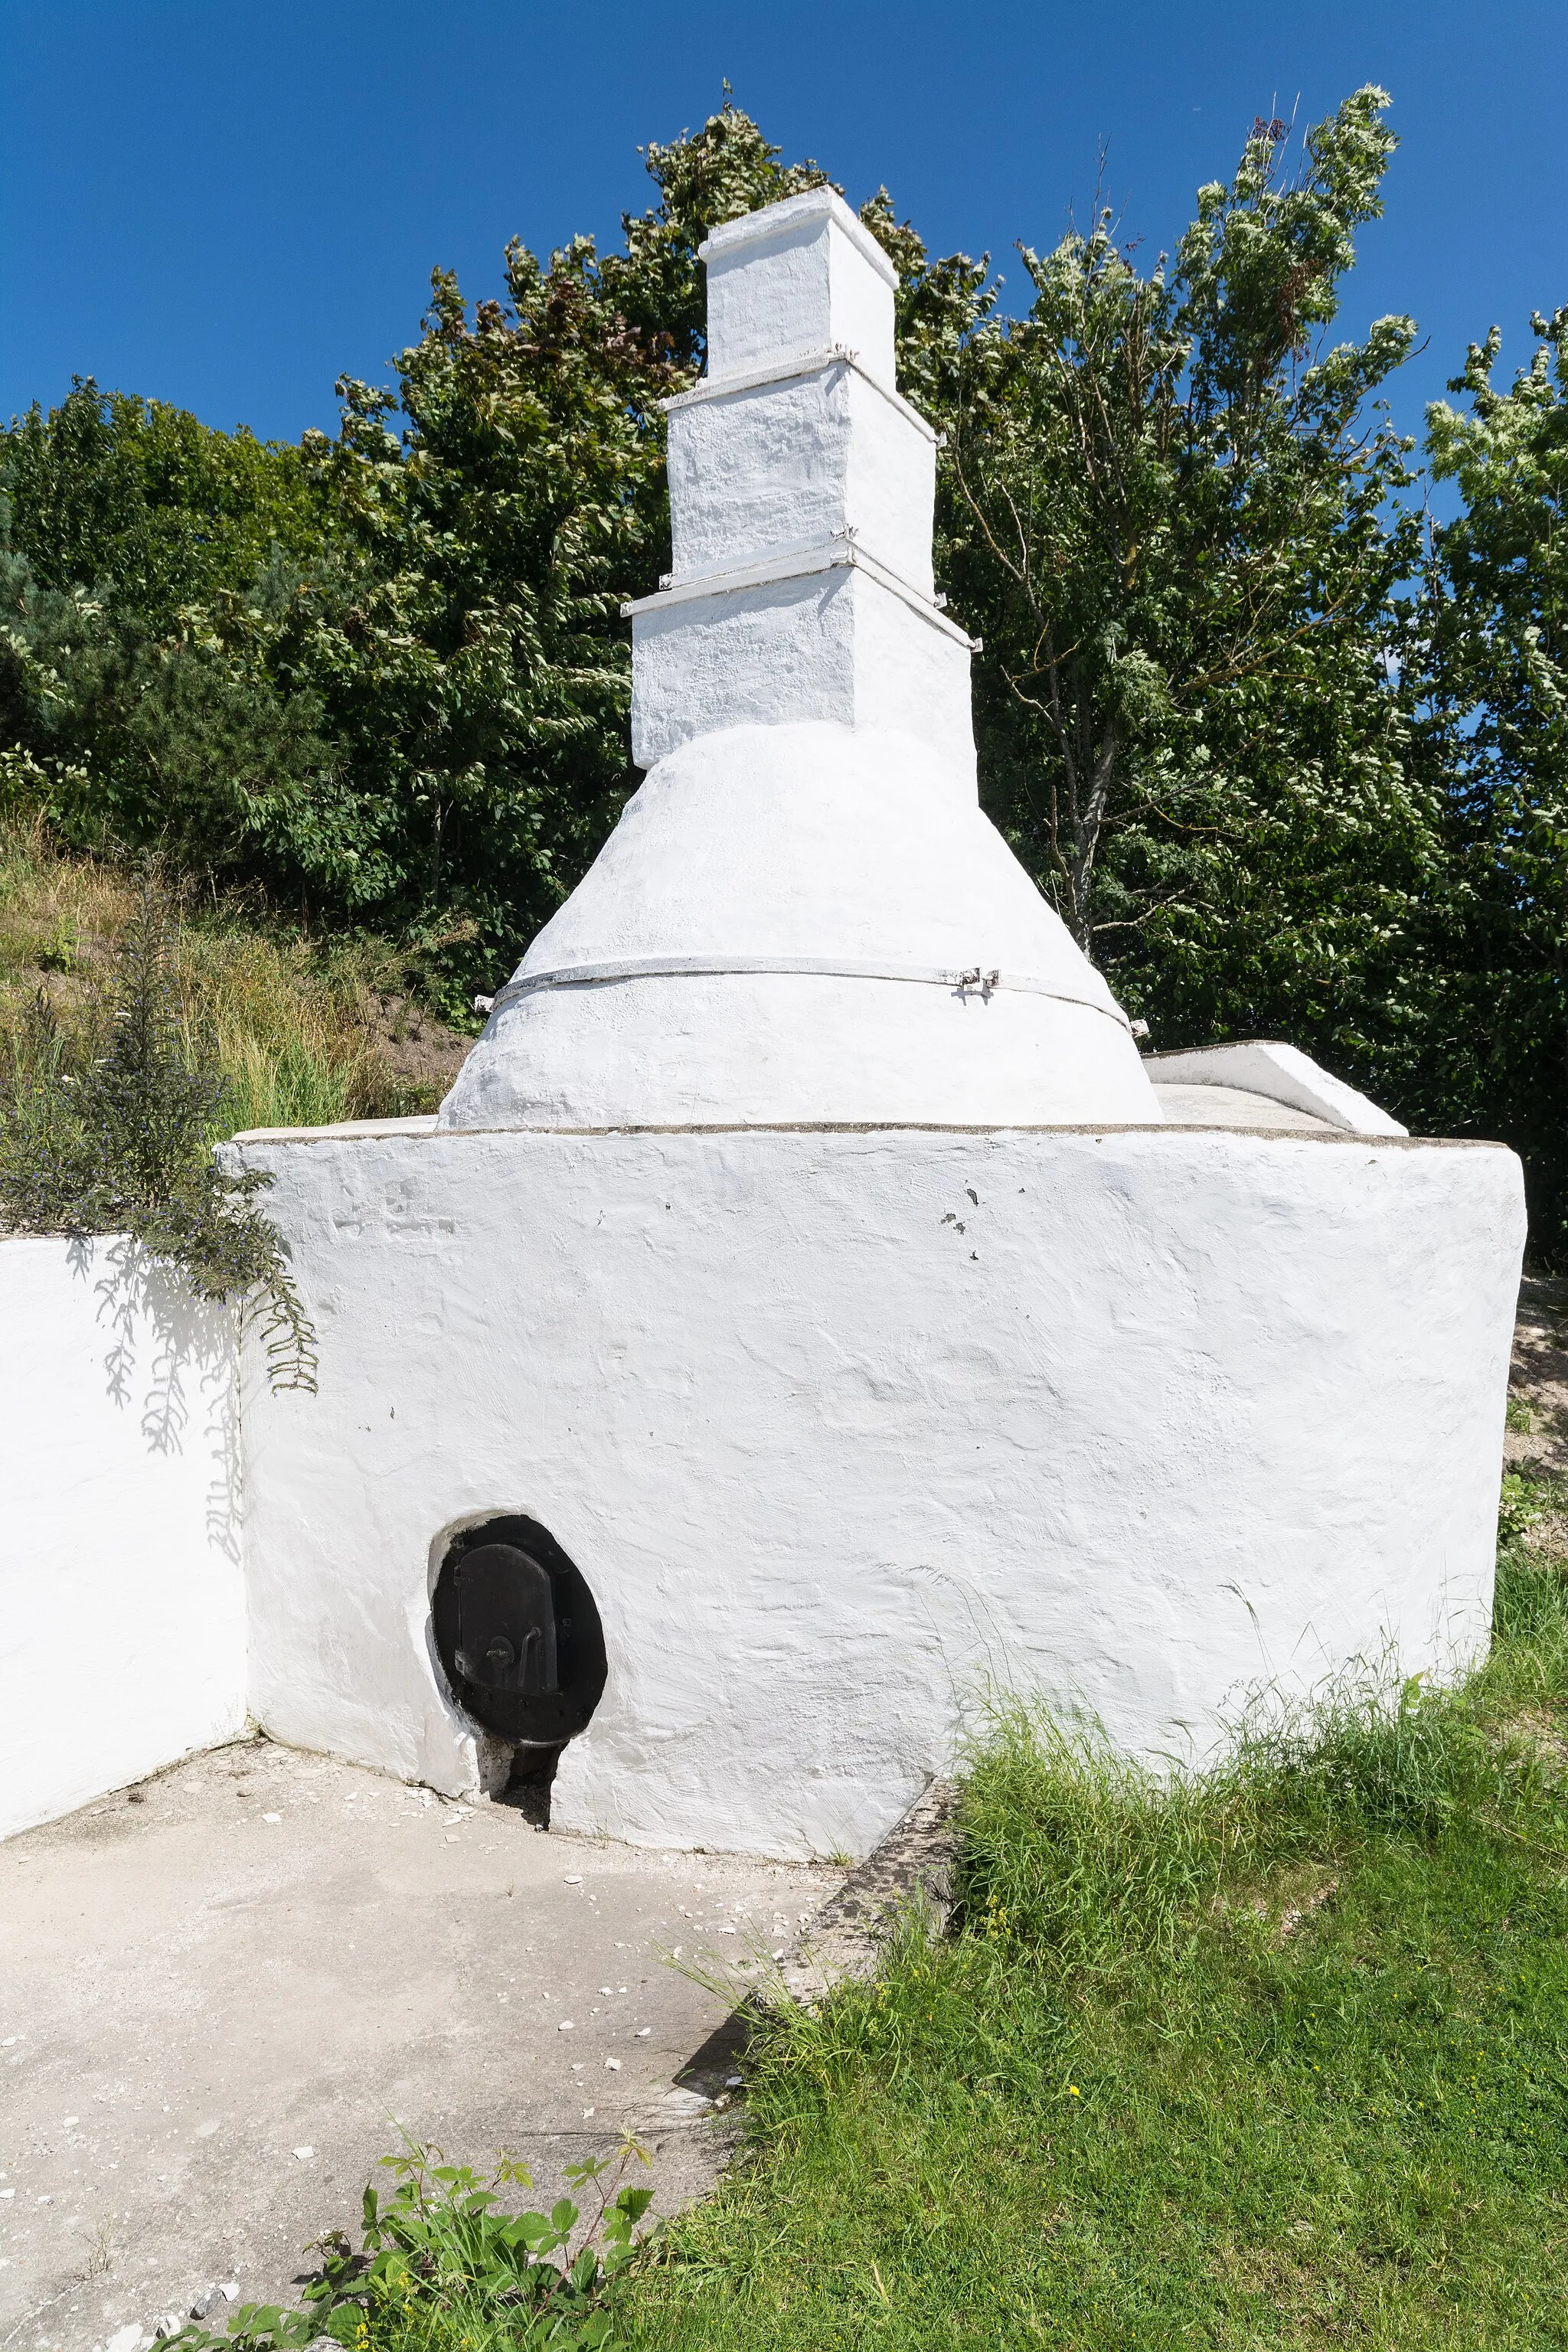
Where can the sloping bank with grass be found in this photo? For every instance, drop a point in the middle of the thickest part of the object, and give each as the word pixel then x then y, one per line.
pixel 139 1028
pixel 299 1031
pixel 1276 2055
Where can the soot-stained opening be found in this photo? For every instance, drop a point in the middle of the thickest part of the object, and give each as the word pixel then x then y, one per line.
pixel 530 1783
pixel 519 1635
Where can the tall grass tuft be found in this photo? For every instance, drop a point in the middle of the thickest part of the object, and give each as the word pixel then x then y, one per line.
pixel 1097 1865
pixel 1091 1861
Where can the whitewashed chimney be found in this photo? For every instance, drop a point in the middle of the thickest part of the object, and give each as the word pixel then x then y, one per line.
pixel 803 916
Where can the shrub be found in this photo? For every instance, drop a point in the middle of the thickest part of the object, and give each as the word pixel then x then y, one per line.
pixel 111 1130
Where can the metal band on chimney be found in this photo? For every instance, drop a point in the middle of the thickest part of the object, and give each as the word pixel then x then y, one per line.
pixel 972 981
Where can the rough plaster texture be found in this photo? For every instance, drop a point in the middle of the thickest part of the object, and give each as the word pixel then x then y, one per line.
pixel 782 465
pixel 836 1423
pixel 267 1952
pixel 856 854
pixel 121 1607
pixel 823 279
pixel 827 639
pixel 1260 1066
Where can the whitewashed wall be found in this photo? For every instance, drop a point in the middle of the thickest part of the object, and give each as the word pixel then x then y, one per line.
pixel 837 1423
pixel 121 1604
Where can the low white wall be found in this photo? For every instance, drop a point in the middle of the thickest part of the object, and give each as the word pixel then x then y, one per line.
pixel 836 1423
pixel 122 1605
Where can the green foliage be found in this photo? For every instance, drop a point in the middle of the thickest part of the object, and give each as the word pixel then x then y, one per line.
pixel 1488 661
pixel 1285 764
pixel 112 1133
pixel 1524 1503
pixel 143 560
pixel 441 2264
pixel 143 505
pixel 1170 518
pixel 384 675
pixel 469 657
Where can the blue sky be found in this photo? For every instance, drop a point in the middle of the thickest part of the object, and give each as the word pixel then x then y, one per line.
pixel 226 204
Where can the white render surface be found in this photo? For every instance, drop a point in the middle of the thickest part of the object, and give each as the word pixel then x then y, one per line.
pixel 803 915
pixel 827 639
pixel 823 280
pixel 779 466
pixel 840 1424
pixel 121 1604
pixel 1263 1066
pixel 803 1244
pixel 851 855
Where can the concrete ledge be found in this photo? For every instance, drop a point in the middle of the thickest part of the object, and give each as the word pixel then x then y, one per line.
pixel 1261 1066
pixel 914 1864
pixel 428 1131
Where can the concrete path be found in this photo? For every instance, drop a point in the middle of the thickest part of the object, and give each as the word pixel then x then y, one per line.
pixel 222 1994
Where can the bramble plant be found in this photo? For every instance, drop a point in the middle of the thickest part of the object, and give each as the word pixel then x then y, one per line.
pixel 110 1131
pixel 438 2250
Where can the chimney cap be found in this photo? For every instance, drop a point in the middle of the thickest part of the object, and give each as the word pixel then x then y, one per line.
pixel 775 222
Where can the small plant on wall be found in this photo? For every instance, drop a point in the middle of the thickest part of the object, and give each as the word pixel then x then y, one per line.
pixel 110 1131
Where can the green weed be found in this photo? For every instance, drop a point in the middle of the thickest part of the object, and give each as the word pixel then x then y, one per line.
pixel 443 2266
pixel 110 1131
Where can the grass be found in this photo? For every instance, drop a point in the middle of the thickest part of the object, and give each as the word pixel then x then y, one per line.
pixel 1274 2056
pixel 295 1025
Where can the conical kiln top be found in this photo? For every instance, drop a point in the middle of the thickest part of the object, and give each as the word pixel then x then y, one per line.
pixel 803 916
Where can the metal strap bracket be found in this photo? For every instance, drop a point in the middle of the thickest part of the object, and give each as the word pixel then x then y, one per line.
pixel 975 980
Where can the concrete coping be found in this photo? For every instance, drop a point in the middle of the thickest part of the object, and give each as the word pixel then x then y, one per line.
pixel 840 553
pixel 772 222
pixel 757 378
pixel 1271 1067
pixel 427 1130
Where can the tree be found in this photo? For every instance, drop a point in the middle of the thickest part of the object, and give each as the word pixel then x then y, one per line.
pixel 139 553
pixel 1279 768
pixel 469 654
pixel 1169 519
pixel 1488 658
pixel 144 507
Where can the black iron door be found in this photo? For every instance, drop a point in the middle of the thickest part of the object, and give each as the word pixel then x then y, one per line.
pixel 518 1632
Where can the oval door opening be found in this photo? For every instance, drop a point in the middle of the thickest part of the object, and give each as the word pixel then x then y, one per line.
pixel 518 1632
